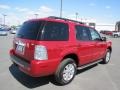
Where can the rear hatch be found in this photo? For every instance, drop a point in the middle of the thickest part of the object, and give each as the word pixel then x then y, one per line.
pixel 24 42
pixel 37 33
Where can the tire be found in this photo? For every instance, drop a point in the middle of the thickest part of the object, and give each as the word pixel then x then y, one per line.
pixel 66 71
pixel 115 36
pixel 106 59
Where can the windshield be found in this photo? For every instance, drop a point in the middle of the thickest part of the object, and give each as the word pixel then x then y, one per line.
pixel 30 30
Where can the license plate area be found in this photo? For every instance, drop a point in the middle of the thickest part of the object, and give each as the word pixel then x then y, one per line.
pixel 20 48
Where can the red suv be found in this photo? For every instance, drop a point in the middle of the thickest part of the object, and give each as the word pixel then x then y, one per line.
pixel 58 46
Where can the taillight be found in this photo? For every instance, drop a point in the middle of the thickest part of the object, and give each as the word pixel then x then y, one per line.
pixel 40 53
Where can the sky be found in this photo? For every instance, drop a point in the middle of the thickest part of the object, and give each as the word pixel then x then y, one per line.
pixel 99 11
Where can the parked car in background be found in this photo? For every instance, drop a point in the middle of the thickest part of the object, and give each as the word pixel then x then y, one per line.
pixel 116 34
pixel 109 33
pixel 106 32
pixel 3 32
pixel 13 31
pixel 58 46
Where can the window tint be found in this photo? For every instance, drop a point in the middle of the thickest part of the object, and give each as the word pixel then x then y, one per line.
pixel 2 30
pixel 94 34
pixel 29 30
pixel 55 31
pixel 82 33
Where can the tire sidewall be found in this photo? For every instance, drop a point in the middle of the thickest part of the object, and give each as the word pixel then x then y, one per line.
pixel 62 66
pixel 108 51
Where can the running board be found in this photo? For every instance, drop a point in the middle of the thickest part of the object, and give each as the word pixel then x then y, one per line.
pixel 87 65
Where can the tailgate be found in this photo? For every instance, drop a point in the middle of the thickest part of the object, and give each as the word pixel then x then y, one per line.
pixel 24 48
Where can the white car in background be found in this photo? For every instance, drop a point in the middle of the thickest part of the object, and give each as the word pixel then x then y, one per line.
pixel 116 34
pixel 13 31
pixel 3 32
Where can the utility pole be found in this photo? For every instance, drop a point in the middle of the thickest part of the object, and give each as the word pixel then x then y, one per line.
pixel 76 15
pixel 4 16
pixel 61 6
pixel 0 21
pixel 36 15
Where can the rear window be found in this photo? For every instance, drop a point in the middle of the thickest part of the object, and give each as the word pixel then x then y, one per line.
pixel 44 30
pixel 82 33
pixel 55 31
pixel 30 30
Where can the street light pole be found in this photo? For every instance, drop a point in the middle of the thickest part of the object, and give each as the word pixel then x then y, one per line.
pixel 4 18
pixel 36 15
pixel 0 21
pixel 76 15
pixel 61 9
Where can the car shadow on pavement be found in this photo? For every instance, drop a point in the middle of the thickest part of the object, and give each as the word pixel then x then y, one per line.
pixel 33 82
pixel 30 82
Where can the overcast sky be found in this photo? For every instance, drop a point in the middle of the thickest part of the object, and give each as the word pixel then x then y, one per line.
pixel 100 11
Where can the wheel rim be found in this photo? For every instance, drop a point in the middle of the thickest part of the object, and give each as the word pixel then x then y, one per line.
pixel 107 56
pixel 68 72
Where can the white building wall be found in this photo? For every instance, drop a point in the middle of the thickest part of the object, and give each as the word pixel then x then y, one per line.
pixel 105 27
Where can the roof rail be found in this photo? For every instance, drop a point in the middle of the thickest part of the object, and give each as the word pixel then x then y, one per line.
pixel 54 17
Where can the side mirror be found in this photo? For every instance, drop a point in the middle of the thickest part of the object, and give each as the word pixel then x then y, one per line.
pixel 104 39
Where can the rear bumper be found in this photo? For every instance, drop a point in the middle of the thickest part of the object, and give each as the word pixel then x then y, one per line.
pixel 35 68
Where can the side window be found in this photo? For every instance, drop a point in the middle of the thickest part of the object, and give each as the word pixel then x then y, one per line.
pixel 94 34
pixel 82 33
pixel 55 31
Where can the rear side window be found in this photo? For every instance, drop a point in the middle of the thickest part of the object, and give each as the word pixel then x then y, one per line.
pixel 55 31
pixel 30 29
pixel 82 33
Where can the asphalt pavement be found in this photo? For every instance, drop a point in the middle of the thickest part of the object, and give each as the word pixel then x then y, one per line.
pixel 96 77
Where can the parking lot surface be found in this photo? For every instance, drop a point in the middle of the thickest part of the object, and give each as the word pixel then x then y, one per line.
pixel 97 77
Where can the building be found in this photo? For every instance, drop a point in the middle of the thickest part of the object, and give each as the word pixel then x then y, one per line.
pixel 117 26
pixel 106 27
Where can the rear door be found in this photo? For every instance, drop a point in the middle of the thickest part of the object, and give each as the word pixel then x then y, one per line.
pixel 85 46
pixel 55 38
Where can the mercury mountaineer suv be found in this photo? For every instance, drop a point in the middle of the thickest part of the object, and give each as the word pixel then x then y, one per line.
pixel 58 46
